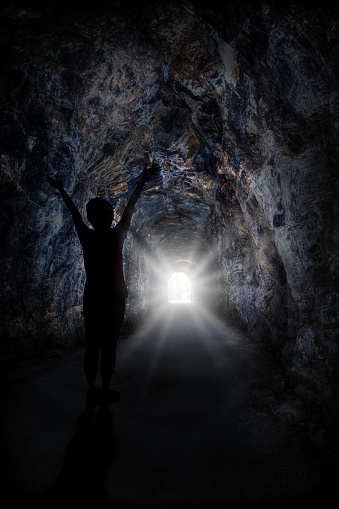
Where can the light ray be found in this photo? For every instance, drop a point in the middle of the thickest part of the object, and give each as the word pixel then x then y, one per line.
pixel 197 284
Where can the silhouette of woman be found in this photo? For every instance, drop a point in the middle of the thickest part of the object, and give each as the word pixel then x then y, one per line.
pixel 105 289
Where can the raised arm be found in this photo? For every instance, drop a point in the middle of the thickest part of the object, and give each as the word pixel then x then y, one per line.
pixel 128 212
pixel 77 219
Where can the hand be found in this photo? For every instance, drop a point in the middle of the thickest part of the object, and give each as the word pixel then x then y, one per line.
pixel 148 172
pixel 55 182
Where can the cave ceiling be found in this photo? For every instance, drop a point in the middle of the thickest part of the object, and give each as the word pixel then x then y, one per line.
pixel 102 91
pixel 98 89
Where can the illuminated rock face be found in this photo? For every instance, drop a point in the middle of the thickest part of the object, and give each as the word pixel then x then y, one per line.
pixel 240 106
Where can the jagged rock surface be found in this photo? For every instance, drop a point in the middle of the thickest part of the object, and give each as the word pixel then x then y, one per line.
pixel 239 103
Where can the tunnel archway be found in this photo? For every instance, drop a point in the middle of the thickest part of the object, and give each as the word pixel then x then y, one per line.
pixel 238 105
pixel 180 288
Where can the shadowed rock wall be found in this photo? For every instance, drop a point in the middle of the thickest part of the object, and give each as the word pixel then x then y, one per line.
pixel 239 102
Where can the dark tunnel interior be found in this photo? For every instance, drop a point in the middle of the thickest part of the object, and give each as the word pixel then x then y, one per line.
pixel 238 103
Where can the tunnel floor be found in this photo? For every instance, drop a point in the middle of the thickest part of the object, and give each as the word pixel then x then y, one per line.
pixel 205 419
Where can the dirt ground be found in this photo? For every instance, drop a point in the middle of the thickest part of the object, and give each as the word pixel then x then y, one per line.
pixel 206 418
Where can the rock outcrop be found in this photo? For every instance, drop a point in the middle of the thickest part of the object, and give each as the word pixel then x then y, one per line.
pixel 239 103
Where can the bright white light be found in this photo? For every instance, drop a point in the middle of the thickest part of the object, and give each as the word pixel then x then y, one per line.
pixel 179 288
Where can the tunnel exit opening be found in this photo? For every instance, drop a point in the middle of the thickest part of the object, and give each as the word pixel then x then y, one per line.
pixel 180 288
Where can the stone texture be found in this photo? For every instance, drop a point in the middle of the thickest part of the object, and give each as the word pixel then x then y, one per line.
pixel 239 102
pixel 292 411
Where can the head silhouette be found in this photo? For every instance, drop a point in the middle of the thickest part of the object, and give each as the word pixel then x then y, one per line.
pixel 99 213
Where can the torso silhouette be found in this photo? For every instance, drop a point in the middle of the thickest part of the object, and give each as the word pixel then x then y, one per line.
pixel 102 252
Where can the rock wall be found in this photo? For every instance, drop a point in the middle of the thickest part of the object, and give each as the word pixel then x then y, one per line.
pixel 281 263
pixel 239 102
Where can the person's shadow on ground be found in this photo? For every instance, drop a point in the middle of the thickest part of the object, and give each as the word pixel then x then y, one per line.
pixel 87 461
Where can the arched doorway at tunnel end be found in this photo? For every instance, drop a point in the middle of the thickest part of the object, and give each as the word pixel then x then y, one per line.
pixel 180 288
pixel 162 280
